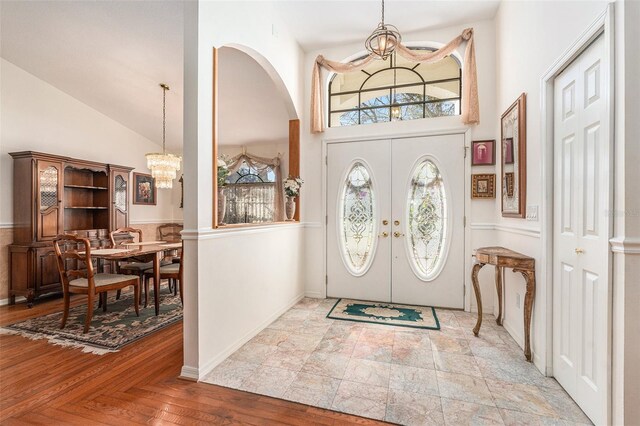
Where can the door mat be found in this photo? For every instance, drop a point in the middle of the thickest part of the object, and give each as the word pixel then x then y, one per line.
pixel 385 313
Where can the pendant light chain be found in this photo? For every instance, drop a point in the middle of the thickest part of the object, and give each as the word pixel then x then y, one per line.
pixel 383 13
pixel 164 117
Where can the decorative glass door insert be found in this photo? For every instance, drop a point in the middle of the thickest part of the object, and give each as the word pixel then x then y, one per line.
pixel 426 220
pixel 357 220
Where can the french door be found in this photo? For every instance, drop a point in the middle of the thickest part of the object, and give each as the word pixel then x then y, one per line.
pixel 581 264
pixel 395 220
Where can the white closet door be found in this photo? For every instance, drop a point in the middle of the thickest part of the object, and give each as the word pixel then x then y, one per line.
pixel 428 221
pixel 358 204
pixel 581 267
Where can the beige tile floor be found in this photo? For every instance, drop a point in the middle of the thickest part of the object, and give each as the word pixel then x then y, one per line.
pixel 398 374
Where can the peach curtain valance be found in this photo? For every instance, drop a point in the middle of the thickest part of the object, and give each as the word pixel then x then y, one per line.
pixel 470 107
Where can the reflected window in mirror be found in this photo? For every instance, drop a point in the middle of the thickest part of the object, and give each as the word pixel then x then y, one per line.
pixel 251 193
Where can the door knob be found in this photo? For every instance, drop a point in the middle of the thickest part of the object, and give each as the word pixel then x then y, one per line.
pixel 396 222
pixel 385 222
pixel 384 234
pixel 579 251
pixel 398 234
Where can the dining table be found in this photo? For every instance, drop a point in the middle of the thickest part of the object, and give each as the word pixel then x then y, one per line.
pixel 140 251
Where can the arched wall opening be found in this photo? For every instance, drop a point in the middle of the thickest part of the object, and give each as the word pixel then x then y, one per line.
pixel 253 113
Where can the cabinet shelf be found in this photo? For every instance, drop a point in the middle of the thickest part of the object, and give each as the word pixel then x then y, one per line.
pixel 102 188
pixel 86 207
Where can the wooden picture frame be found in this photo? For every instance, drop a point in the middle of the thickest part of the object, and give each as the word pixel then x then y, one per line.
pixel 483 186
pixel 144 189
pixel 483 153
pixel 513 164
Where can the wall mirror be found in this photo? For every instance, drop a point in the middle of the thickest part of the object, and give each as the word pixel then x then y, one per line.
pixel 514 159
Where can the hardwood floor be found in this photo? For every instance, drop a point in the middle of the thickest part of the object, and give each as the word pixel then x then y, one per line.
pixel 42 383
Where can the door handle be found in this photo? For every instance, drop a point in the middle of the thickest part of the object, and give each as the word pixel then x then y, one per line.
pixel 579 251
pixel 396 222
pixel 385 234
pixel 398 234
pixel 385 222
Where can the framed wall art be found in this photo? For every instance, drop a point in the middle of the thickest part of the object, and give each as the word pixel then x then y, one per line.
pixel 483 185
pixel 144 189
pixel 483 153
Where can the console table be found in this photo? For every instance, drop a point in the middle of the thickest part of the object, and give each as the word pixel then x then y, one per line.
pixel 502 257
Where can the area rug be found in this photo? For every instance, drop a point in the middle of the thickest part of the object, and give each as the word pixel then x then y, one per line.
pixel 109 331
pixel 385 313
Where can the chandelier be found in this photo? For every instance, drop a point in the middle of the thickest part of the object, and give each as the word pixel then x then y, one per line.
pixel 383 40
pixel 163 166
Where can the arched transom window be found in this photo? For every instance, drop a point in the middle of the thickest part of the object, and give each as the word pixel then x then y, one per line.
pixel 393 90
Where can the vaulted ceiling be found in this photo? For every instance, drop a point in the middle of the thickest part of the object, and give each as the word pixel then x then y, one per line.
pixel 112 55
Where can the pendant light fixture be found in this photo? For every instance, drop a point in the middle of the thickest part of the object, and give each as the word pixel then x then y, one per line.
pixel 164 167
pixel 384 39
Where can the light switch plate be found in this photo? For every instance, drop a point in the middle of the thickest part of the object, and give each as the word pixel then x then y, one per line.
pixel 532 213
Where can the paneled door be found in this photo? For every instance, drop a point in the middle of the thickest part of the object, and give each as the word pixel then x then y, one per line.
pixel 428 221
pixel 581 261
pixel 395 220
pixel 358 220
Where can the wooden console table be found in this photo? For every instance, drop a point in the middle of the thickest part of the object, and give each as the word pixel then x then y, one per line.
pixel 501 257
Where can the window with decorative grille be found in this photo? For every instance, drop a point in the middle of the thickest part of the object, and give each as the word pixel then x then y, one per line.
pixel 395 89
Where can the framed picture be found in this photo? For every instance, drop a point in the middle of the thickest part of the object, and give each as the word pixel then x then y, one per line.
pixel 508 183
pixel 483 153
pixel 483 186
pixel 144 189
pixel 508 151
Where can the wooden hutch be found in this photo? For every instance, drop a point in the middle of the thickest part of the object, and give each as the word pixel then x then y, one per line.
pixel 54 195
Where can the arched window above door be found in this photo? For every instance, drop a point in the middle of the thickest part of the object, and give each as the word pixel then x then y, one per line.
pixel 395 89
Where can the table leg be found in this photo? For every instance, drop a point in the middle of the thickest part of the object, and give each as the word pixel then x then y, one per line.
pixel 476 288
pixel 156 281
pixel 530 277
pixel 499 289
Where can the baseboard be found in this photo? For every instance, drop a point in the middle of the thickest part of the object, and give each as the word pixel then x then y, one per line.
pixel 19 299
pixel 516 336
pixel 189 373
pixel 207 367
pixel 314 294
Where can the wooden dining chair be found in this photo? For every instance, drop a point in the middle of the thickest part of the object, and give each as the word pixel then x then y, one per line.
pixel 77 276
pixel 172 272
pixel 170 232
pixel 137 267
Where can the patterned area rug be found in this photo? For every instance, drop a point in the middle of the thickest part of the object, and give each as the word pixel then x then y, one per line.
pixel 109 331
pixel 385 313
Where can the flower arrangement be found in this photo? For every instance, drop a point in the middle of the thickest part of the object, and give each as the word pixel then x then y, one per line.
pixel 292 186
pixel 223 172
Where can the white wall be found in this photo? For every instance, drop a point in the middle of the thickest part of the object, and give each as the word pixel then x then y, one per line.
pixel 230 281
pixel 482 212
pixel 525 49
pixel 36 116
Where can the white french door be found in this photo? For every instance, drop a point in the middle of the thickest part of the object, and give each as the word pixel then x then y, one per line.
pixel 395 220
pixel 581 266
pixel 358 203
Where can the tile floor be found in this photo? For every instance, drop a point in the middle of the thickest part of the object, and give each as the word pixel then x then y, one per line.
pixel 401 375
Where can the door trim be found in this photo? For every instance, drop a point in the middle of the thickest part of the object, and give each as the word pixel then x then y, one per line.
pixel 603 25
pixel 465 131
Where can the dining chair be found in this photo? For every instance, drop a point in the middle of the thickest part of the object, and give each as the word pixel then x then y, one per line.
pixel 77 276
pixel 128 235
pixel 170 232
pixel 172 272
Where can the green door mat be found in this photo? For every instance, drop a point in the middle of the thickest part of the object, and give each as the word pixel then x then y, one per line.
pixel 385 313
